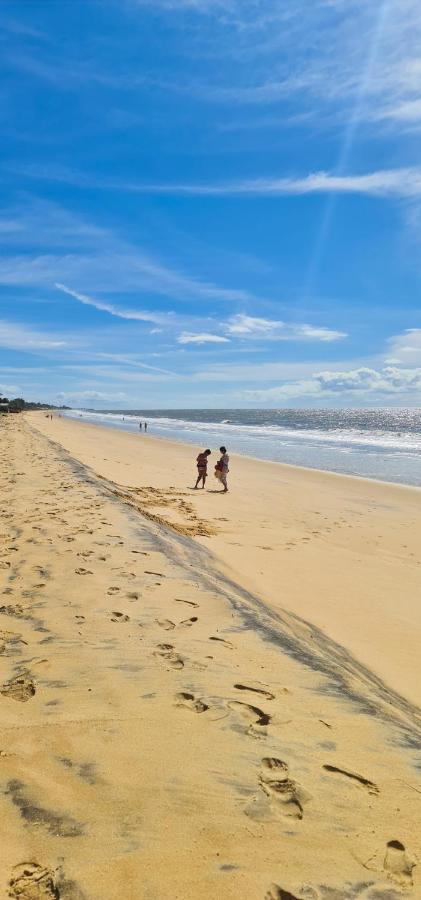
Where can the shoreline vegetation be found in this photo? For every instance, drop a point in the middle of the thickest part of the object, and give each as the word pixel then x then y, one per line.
pixel 18 405
pixel 182 714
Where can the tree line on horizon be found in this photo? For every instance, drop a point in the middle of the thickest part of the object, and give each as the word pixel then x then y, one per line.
pixel 18 404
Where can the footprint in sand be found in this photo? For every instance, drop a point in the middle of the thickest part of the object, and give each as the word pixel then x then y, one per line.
pixel 255 687
pixel 252 718
pixel 30 881
pixel 188 602
pixel 397 864
pixel 16 611
pixel 20 688
pixel 169 656
pixel 9 637
pixel 166 624
pixel 306 893
pixel 222 641
pixel 119 616
pixel 83 572
pixel 281 795
pixel 187 623
pixel 113 590
pixel 191 702
pixel 277 893
pixel 371 787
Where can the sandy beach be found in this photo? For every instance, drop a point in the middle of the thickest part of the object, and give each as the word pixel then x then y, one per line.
pixel 342 553
pixel 204 696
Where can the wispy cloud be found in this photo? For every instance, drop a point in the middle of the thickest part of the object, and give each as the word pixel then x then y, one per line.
pixel 93 256
pixel 318 57
pixel 90 395
pixel 402 182
pixel 131 362
pixel 242 325
pixel 187 337
pixel 131 314
pixel 19 337
pixel 20 29
pixel 399 182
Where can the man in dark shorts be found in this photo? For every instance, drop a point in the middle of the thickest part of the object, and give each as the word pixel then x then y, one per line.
pixel 202 468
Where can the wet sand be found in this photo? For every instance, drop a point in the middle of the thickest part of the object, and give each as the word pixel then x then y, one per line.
pixel 168 732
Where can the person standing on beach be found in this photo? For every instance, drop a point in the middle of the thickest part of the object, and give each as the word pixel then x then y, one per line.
pixel 146 426
pixel 223 468
pixel 202 468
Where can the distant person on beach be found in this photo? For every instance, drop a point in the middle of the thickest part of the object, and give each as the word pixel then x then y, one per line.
pixel 222 468
pixel 146 426
pixel 202 468
pixel 140 426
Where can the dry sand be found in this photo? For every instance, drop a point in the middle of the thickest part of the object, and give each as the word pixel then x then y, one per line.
pixel 171 727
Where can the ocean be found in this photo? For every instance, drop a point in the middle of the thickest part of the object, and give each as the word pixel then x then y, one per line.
pixel 384 444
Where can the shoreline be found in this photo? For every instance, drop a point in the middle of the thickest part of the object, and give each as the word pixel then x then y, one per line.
pixel 189 443
pixel 150 436
pixel 341 553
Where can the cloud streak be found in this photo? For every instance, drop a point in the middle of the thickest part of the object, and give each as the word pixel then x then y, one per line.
pixel 93 256
pixel 19 337
pixel 187 337
pixel 244 326
pixel 130 314
pixel 402 182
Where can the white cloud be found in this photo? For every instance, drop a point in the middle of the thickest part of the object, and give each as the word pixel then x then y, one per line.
pixel 187 337
pixel 363 382
pixel 19 337
pixel 407 346
pixel 409 112
pixel 402 182
pixel 313 333
pixel 242 325
pixel 89 395
pixel 131 314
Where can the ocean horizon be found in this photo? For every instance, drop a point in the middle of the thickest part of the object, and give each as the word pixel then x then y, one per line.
pixel 382 444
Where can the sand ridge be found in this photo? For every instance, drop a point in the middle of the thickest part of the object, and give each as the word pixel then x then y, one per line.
pixel 164 734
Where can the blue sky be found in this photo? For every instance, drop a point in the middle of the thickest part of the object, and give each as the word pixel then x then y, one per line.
pixel 211 202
